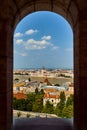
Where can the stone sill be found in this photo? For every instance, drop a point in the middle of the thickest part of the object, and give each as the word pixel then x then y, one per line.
pixel 42 124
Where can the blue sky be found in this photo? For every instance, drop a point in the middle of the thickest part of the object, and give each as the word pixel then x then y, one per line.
pixel 43 39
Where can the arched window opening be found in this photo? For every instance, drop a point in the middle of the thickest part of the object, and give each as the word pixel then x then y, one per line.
pixel 43 66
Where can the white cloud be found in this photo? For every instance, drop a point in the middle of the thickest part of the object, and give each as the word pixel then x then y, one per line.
pixel 23 54
pixel 46 38
pixel 30 31
pixel 36 44
pixel 32 44
pixel 18 34
pixel 55 47
pixel 69 49
pixel 20 53
pixel 19 41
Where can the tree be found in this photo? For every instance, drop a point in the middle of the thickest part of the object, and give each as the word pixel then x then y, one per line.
pixel 42 91
pixel 19 114
pixel 30 101
pixel 48 108
pixel 57 84
pixel 28 115
pixel 70 100
pixel 61 104
pixel 29 79
pixel 36 90
pixel 16 79
pixel 26 73
pixel 38 104
pixel 19 104
pixel 14 103
pixel 62 96
pixel 67 112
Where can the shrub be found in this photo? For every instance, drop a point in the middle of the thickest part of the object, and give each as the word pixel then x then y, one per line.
pixel 28 115
pixel 19 114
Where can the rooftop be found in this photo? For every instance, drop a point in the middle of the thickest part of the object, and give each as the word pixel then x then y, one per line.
pixel 20 95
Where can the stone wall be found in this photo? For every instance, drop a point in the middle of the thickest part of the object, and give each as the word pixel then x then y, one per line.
pixel 11 12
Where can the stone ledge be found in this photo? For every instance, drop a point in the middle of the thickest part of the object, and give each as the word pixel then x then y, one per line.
pixel 42 124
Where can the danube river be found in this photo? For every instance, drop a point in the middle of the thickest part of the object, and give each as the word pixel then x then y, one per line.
pixel 52 80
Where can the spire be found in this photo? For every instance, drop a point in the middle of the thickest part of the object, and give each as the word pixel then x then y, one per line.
pixel 46 80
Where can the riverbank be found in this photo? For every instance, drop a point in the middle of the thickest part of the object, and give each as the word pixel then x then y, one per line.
pixel 52 80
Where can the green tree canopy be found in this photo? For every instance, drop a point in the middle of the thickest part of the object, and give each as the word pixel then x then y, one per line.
pixel 36 91
pixel 48 108
pixel 42 91
pixel 61 104
pixel 38 104
pixel 17 79
pixel 29 79
pixel 57 84
pixel 67 112
pixel 62 96
pixel 30 101
pixel 70 100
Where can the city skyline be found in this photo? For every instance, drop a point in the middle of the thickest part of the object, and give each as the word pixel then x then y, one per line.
pixel 43 39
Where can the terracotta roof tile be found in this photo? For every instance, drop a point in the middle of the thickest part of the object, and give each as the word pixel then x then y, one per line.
pixel 47 95
pixel 20 95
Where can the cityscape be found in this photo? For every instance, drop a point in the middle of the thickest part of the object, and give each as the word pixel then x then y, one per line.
pixel 48 84
pixel 43 78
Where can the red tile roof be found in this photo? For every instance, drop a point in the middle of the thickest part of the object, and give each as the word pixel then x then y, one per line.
pixel 50 90
pixel 47 95
pixel 20 95
pixel 71 85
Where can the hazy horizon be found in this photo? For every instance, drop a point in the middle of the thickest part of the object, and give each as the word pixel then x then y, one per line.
pixel 63 68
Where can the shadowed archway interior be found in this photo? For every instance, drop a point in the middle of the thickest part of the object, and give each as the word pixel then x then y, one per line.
pixel 11 12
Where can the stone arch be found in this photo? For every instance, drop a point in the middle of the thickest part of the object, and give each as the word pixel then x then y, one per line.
pixel 11 12
pixel 65 9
